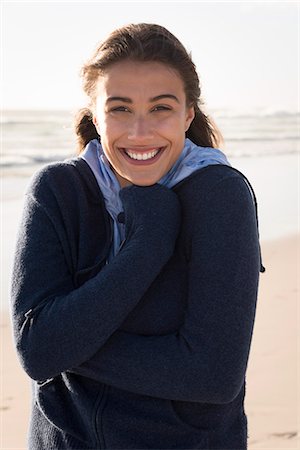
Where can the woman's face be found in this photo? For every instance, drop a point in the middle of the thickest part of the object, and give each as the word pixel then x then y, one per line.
pixel 141 116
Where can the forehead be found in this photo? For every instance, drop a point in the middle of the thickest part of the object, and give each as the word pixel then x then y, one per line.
pixel 132 79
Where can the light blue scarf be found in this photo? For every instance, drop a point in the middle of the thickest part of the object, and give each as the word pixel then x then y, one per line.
pixel 193 157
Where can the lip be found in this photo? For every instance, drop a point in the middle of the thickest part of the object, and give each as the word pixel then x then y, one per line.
pixel 141 162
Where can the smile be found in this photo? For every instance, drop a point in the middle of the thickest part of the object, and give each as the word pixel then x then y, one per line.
pixel 142 157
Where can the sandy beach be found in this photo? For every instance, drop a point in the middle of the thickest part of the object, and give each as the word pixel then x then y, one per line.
pixel 272 389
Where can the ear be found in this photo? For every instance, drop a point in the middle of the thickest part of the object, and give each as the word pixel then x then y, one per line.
pixel 190 114
pixel 95 122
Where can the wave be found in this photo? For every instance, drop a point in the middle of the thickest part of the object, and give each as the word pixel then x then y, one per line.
pixel 36 122
pixel 254 114
pixel 262 153
pixel 35 117
pixel 262 139
pixel 8 161
pixel 20 117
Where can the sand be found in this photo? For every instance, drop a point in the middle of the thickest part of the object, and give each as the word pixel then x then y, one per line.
pixel 272 385
pixel 273 396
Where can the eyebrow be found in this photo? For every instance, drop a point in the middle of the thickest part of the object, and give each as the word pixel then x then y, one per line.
pixel 153 99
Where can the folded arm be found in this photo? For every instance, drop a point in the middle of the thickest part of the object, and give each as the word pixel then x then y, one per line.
pixel 206 359
pixel 56 326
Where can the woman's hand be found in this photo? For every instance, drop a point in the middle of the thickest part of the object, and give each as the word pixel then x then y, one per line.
pixel 153 214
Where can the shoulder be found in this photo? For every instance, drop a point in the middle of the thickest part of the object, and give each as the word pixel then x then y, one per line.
pixel 211 180
pixel 63 178
pixel 210 176
pixel 53 172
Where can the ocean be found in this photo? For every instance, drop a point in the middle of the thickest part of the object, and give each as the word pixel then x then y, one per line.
pixel 31 139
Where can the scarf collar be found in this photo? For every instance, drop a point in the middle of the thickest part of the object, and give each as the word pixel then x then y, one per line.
pixel 192 157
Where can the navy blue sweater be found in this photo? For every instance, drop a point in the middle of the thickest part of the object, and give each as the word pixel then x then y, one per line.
pixel 149 351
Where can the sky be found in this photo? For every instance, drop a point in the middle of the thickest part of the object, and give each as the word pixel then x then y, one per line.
pixel 246 53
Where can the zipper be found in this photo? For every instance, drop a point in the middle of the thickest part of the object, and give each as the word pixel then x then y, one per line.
pixel 98 418
pixel 121 245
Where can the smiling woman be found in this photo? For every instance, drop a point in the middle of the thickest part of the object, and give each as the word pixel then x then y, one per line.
pixel 142 117
pixel 137 336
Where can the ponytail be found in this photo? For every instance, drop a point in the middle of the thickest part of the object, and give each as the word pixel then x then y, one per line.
pixel 84 128
pixel 203 131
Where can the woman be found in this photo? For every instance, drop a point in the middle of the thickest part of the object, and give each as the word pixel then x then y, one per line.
pixel 137 265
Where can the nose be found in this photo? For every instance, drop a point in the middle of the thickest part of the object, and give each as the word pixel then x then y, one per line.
pixel 140 129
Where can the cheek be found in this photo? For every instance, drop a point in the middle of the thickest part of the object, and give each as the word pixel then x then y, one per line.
pixel 113 129
pixel 174 125
pixel 107 132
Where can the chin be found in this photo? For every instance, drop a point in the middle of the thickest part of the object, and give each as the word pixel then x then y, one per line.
pixel 144 181
pixel 149 183
pixel 141 180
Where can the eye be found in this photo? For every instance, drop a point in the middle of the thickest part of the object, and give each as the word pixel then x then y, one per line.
pixel 120 109
pixel 161 108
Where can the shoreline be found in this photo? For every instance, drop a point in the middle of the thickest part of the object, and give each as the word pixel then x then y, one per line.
pixel 271 398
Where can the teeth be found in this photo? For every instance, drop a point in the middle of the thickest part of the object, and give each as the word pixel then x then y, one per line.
pixel 142 156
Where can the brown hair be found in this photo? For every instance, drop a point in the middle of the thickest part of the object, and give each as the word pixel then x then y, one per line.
pixel 145 42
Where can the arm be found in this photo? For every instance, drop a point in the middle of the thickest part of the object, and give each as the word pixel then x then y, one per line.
pixel 57 326
pixel 205 361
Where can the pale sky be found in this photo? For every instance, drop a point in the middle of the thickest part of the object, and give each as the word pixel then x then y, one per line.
pixel 246 53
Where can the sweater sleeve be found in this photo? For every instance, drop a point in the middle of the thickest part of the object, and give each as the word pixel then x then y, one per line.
pixel 56 326
pixel 206 359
